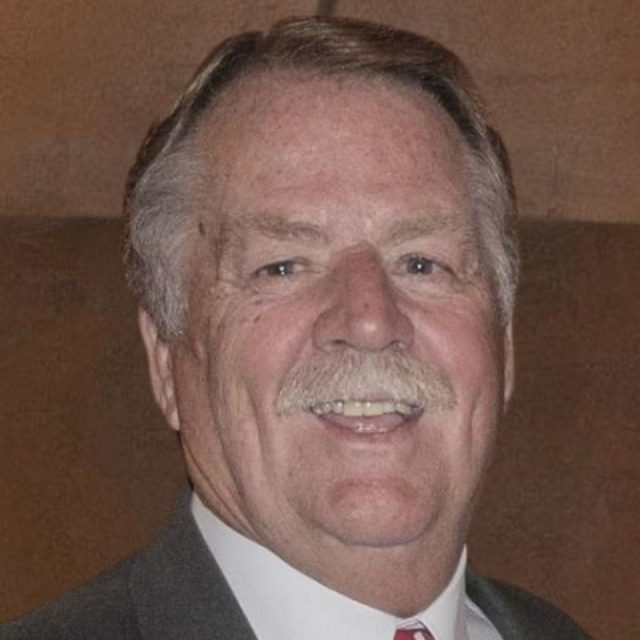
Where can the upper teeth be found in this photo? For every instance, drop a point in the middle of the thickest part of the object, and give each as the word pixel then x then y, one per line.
pixel 357 408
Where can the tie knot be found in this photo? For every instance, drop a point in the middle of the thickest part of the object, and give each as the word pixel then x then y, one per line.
pixel 412 634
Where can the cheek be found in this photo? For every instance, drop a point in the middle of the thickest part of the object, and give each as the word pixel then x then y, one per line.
pixel 480 392
pixel 463 341
pixel 255 345
pixel 476 360
pixel 466 347
pixel 271 341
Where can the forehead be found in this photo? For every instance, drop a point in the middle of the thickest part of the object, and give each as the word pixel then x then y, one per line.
pixel 319 144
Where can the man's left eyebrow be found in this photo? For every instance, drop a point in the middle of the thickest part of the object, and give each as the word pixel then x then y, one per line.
pixel 427 225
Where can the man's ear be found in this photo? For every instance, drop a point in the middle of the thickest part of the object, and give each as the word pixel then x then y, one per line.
pixel 160 361
pixel 509 363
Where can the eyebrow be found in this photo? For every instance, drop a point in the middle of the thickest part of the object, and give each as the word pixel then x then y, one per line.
pixel 272 225
pixel 428 225
pixel 281 227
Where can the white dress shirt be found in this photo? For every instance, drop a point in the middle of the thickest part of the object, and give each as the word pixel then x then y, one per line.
pixel 282 603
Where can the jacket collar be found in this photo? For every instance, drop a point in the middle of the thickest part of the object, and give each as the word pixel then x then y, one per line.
pixel 178 590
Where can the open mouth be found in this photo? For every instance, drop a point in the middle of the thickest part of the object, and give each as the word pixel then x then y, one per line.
pixel 364 417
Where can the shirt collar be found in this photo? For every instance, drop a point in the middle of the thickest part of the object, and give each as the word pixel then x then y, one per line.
pixel 283 603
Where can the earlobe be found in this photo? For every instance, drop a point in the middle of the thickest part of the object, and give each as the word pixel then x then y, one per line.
pixel 509 363
pixel 160 362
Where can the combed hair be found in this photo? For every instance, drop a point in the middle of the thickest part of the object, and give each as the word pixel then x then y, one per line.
pixel 158 214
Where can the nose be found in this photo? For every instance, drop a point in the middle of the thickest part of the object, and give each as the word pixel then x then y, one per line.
pixel 363 313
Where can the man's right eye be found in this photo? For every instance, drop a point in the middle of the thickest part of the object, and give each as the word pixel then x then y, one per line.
pixel 282 268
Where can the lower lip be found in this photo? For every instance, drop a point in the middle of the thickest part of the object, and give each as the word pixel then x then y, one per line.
pixel 369 427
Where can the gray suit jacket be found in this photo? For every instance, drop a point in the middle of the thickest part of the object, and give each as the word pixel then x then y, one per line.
pixel 175 591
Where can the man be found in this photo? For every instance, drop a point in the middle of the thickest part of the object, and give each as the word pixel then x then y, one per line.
pixel 321 238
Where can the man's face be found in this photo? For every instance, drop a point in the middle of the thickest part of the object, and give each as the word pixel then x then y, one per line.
pixel 343 370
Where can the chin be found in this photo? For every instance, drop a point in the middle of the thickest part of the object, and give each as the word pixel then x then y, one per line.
pixel 380 514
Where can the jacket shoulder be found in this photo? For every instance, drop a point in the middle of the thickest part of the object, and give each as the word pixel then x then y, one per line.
pixel 519 615
pixel 99 610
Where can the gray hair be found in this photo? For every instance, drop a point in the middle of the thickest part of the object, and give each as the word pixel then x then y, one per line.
pixel 158 212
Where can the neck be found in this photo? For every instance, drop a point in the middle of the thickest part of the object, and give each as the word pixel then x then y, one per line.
pixel 401 581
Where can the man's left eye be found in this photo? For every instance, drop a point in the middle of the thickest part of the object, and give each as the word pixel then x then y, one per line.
pixel 420 265
pixel 281 268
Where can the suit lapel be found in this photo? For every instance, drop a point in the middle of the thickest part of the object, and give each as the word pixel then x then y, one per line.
pixel 518 615
pixel 492 603
pixel 179 592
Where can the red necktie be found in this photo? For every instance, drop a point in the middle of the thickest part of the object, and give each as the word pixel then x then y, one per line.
pixel 412 634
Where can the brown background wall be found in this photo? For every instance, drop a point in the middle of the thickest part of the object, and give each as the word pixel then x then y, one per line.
pixel 81 80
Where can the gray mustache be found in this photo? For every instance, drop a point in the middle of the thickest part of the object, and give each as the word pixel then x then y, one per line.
pixel 354 375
